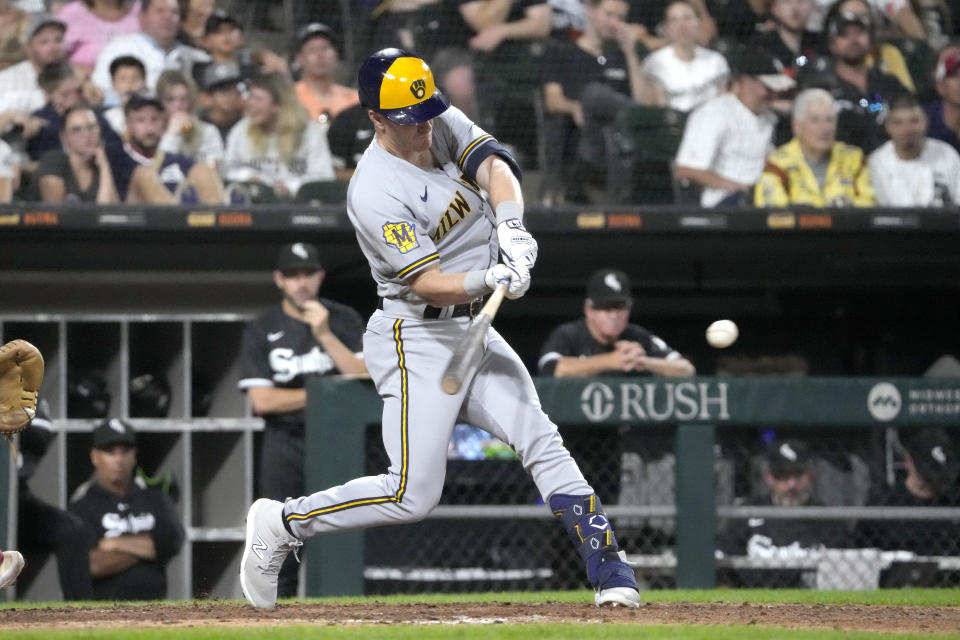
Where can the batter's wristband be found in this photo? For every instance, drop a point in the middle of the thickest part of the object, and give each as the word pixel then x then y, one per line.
pixel 508 210
pixel 474 283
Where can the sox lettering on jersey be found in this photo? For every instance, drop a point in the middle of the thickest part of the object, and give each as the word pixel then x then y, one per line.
pixel 115 524
pixel 286 365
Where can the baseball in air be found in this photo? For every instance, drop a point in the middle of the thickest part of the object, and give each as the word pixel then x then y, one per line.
pixel 722 333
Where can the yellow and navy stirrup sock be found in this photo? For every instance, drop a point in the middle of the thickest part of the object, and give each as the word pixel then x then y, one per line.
pixel 591 533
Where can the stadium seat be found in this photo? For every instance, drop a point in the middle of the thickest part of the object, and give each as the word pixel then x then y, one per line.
pixel 640 149
pixel 250 193
pixel 921 61
pixel 186 193
pixel 323 192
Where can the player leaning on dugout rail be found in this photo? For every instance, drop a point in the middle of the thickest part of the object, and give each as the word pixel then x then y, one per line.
pixel 432 211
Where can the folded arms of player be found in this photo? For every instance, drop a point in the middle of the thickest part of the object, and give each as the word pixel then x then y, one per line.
pixel 114 555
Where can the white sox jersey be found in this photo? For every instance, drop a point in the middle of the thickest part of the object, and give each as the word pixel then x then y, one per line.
pixel 408 218
pixel 280 351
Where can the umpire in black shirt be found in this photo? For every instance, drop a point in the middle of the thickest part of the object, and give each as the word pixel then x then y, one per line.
pixel 604 341
pixel 302 336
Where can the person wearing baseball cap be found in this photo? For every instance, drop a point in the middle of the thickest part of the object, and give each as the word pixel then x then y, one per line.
pixel 931 463
pixel 137 530
pixel 604 341
pixel 788 481
pixel 727 139
pixel 222 87
pixel 318 58
pixel 303 337
pixel 19 88
pixel 862 90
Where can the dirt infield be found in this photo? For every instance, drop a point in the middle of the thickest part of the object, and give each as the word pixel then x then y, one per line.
pixel 794 616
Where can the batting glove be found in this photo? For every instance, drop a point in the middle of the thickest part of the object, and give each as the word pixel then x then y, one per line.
pixel 517 280
pixel 517 246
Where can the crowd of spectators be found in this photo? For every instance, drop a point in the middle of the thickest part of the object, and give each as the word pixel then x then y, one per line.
pixel 878 81
pixel 159 101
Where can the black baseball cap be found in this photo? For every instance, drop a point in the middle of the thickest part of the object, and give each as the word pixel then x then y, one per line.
pixel 787 458
pixel 219 18
pixel 221 74
pixel 764 67
pixel 317 30
pixel 934 456
pixel 298 255
pixel 111 432
pixel 141 99
pixel 608 286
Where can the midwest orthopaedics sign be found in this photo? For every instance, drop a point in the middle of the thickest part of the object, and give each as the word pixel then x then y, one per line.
pixel 655 401
pixel 886 402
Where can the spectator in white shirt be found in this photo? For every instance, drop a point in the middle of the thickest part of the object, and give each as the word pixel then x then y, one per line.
pixel 727 139
pixel 276 144
pixel 127 77
pixel 686 74
pixel 156 46
pixel 9 172
pixel 910 169
pixel 19 90
pixel 186 133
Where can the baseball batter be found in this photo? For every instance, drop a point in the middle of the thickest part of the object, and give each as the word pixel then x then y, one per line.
pixel 435 203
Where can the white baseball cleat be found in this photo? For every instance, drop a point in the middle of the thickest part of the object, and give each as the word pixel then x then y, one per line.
pixel 10 568
pixel 267 546
pixel 617 597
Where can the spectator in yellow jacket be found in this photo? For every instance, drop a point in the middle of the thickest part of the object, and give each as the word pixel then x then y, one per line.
pixel 814 169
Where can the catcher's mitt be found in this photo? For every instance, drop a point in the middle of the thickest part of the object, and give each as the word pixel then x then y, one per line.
pixel 21 372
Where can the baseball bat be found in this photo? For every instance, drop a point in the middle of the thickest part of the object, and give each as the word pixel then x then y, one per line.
pixel 461 360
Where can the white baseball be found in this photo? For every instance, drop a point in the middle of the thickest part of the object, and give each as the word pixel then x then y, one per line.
pixel 722 333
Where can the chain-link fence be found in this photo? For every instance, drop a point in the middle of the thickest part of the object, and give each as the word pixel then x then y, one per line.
pixel 798 508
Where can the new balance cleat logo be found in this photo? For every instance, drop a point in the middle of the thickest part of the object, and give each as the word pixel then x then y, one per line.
pixel 259 547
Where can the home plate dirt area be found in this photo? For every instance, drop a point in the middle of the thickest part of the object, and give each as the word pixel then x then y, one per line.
pixel 795 616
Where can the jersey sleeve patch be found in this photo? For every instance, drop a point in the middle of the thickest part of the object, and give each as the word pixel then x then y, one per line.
pixel 401 235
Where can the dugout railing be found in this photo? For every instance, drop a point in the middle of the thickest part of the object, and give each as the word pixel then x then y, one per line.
pixel 341 410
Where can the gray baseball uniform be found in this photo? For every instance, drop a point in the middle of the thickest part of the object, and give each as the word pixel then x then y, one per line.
pixel 406 219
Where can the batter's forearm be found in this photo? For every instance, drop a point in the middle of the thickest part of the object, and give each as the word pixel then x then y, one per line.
pixel 440 289
pixel 274 400
pixel 495 175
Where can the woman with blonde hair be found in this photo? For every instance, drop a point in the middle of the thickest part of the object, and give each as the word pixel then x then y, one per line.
pixel 275 143
pixel 186 133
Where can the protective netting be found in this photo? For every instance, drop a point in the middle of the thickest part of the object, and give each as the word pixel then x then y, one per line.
pixel 836 515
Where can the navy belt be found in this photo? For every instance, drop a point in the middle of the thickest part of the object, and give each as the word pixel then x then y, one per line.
pixel 468 309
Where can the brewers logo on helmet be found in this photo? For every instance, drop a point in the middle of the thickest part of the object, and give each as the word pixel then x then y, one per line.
pixel 400 85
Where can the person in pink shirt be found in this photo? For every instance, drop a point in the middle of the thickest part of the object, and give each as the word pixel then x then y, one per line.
pixel 91 24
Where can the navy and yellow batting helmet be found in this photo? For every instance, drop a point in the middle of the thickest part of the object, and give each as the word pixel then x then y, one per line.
pixel 400 85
